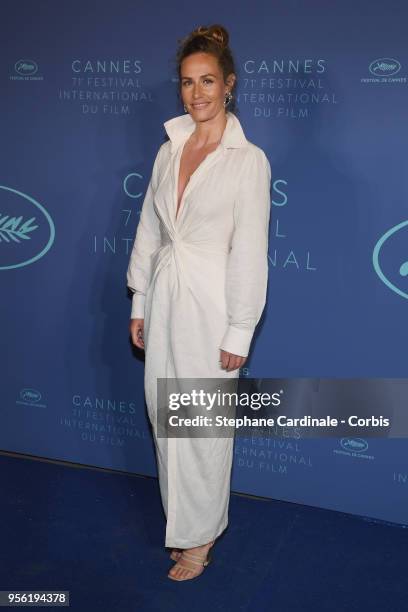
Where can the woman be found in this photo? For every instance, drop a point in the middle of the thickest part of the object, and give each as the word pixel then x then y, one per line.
pixel 199 271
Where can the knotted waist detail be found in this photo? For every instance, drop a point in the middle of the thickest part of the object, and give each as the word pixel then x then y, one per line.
pixel 205 245
pixel 170 253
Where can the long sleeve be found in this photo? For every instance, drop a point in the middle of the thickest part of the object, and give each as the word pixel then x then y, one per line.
pixel 247 267
pixel 147 240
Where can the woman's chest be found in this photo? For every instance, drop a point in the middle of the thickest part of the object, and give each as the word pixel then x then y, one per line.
pixel 203 188
pixel 190 161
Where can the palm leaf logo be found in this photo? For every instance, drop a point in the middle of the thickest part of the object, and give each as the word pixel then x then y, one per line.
pixel 403 270
pixel 12 228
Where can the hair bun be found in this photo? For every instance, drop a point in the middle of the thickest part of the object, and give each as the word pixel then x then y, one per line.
pixel 215 32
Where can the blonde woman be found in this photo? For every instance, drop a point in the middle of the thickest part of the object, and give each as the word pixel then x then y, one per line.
pixel 198 271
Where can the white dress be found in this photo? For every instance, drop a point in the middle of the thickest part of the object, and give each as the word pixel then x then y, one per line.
pixel 199 282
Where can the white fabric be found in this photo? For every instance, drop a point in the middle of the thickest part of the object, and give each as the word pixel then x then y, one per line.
pixel 199 282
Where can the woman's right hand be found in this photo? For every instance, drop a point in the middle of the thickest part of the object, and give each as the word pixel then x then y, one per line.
pixel 136 328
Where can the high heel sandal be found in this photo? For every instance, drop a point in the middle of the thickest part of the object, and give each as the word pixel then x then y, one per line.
pixel 191 558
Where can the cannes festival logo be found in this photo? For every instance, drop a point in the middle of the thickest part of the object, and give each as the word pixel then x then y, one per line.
pixel 395 277
pixel 30 397
pixel 25 67
pixel 26 236
pixel 385 66
pixel 355 445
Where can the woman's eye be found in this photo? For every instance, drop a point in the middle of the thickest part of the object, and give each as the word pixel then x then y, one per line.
pixel 205 81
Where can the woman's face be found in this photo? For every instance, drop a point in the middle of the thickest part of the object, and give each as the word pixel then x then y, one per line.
pixel 202 86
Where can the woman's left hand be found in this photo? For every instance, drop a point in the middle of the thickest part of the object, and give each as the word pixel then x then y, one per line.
pixel 230 362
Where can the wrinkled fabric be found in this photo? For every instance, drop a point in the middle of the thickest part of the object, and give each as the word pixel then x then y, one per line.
pixel 199 282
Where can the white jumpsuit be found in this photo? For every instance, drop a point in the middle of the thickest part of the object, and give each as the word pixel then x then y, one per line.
pixel 199 282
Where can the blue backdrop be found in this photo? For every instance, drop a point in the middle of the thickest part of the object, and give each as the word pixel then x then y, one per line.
pixel 322 88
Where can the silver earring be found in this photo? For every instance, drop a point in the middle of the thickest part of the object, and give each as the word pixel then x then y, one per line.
pixel 185 109
pixel 228 98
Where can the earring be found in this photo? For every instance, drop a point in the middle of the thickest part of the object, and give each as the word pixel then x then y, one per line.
pixel 228 98
pixel 185 109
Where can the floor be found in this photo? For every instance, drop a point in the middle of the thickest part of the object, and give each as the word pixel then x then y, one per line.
pixel 100 535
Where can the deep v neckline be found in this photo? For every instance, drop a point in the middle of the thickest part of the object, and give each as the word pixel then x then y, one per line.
pixel 179 200
pixel 178 168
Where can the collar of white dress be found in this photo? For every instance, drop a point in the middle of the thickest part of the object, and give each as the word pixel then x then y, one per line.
pixel 179 129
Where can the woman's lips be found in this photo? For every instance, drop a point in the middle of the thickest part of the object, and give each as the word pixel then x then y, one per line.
pixel 200 105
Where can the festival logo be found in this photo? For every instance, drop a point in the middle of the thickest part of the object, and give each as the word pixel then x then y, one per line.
pixel 353 447
pixel 356 445
pixel 26 70
pixel 27 230
pixel 26 67
pixel 384 70
pixel 391 248
pixel 384 66
pixel 30 397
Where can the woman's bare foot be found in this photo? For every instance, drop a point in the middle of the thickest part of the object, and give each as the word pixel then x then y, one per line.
pixel 190 562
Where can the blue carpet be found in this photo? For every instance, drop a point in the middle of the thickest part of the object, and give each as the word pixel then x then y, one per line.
pixel 100 535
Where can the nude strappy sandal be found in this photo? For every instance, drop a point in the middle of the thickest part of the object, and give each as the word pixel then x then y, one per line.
pixel 199 561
